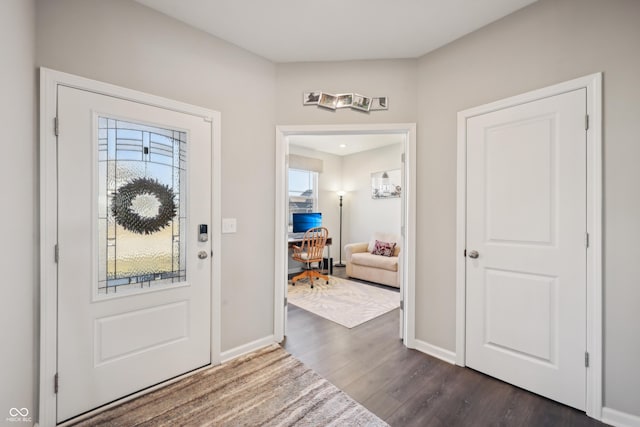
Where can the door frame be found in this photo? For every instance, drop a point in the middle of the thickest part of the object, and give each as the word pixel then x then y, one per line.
pixel 409 214
pixel 49 82
pixel 593 85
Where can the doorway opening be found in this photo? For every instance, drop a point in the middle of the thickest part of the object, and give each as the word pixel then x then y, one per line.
pixel 346 148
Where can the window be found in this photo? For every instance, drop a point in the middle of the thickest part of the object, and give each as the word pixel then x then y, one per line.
pixel 303 192
pixel 141 206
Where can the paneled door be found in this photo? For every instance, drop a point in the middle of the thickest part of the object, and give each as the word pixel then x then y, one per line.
pixel 526 246
pixel 134 270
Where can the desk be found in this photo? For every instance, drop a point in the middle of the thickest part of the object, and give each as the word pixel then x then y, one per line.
pixel 295 242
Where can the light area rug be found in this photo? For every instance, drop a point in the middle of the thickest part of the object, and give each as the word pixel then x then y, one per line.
pixel 343 301
pixel 266 388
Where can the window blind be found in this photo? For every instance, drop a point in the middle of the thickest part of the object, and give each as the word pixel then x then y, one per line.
pixel 305 163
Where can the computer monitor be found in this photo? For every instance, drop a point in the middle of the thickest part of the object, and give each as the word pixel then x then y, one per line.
pixel 304 221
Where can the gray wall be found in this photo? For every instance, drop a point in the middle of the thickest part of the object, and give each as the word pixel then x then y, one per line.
pixel 124 43
pixel 19 257
pixel 396 79
pixel 549 42
pixel 365 215
pixel 121 42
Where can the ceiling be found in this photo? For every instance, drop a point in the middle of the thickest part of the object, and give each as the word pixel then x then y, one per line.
pixel 356 143
pixel 334 30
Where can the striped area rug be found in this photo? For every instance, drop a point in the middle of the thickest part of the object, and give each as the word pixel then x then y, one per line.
pixel 266 388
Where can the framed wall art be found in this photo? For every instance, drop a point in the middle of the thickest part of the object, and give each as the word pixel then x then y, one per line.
pixel 345 100
pixel 361 102
pixel 311 98
pixel 386 184
pixel 380 103
pixel 328 101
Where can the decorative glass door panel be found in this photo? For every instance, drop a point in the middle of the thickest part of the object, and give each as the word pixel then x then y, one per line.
pixel 141 206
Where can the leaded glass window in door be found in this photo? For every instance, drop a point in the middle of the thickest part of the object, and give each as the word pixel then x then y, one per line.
pixel 141 206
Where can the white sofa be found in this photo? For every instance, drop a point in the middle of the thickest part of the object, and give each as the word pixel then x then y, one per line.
pixel 362 264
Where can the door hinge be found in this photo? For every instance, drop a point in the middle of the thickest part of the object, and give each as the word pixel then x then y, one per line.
pixel 586 359
pixel 285 301
pixel 586 239
pixel 56 253
pixel 55 383
pixel 56 126
pixel 401 304
pixel 402 157
pixel 586 122
pixel 465 253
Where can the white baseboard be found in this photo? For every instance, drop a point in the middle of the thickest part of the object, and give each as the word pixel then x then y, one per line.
pixel 435 351
pixel 247 348
pixel 619 419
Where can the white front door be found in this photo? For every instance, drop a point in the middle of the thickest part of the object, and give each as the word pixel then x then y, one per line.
pixel 526 251
pixel 134 281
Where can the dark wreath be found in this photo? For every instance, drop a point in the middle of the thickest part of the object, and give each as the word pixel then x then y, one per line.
pixel 124 215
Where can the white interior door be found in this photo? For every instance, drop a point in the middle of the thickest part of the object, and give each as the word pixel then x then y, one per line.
pixel 526 248
pixel 134 281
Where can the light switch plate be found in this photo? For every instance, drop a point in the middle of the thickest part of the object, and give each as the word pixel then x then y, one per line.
pixel 229 225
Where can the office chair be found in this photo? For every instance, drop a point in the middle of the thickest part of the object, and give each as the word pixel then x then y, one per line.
pixel 311 251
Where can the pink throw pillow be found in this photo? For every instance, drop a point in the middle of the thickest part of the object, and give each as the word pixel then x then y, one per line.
pixel 383 248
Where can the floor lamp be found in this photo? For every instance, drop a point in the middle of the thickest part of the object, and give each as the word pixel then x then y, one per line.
pixel 340 264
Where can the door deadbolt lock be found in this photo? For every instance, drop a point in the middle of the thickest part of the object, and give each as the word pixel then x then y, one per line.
pixel 203 233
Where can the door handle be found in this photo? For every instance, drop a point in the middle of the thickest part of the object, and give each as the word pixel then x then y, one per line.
pixel 473 254
pixel 203 254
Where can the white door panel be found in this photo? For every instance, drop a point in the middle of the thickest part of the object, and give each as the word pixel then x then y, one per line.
pixel 526 291
pixel 133 297
pixel 519 208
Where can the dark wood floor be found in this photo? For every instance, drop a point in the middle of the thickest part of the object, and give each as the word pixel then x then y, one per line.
pixel 408 388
